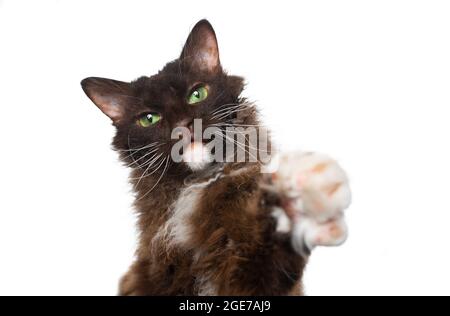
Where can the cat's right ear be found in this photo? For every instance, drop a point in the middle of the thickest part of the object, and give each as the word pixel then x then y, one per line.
pixel 110 96
pixel 201 50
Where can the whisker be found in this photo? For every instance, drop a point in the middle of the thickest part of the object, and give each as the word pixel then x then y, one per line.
pixel 224 107
pixel 140 148
pixel 136 149
pixel 136 160
pixel 151 161
pixel 237 144
pixel 157 182
pixel 236 106
pixel 224 115
pixel 236 125
pixel 230 106
pixel 246 145
pixel 146 170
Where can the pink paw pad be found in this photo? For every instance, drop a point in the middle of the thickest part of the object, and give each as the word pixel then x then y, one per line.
pixel 315 192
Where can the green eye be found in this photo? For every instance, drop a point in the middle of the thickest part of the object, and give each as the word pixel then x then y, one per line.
pixel 198 95
pixel 149 119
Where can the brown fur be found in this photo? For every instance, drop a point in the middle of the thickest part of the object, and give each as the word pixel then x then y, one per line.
pixel 234 246
pixel 240 251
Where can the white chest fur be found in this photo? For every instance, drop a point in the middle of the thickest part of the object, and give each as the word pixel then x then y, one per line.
pixel 178 229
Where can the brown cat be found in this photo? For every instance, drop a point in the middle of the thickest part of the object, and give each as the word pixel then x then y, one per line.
pixel 209 222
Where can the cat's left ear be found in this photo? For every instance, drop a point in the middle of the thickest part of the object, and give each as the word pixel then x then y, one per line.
pixel 201 50
pixel 112 97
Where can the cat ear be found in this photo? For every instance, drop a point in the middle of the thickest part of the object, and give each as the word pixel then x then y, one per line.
pixel 201 50
pixel 110 96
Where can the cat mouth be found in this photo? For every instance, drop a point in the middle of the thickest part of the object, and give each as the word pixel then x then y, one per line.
pixel 197 156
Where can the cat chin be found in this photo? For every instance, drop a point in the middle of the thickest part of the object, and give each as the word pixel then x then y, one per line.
pixel 197 156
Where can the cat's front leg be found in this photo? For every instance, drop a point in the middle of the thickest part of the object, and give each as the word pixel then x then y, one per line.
pixel 314 193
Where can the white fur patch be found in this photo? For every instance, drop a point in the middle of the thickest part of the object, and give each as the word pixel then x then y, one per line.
pixel 283 221
pixel 203 283
pixel 197 156
pixel 239 172
pixel 205 287
pixel 178 224
pixel 177 230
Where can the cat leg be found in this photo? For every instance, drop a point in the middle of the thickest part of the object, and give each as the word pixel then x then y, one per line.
pixel 238 249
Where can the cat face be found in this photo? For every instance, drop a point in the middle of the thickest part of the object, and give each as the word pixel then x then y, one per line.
pixel 147 111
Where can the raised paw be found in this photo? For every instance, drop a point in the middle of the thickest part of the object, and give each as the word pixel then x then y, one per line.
pixel 314 191
pixel 307 234
pixel 313 184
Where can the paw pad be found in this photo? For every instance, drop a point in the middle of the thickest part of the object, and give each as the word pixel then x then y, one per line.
pixel 315 192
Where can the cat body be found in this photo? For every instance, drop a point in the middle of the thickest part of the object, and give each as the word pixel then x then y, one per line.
pixel 212 237
pixel 210 222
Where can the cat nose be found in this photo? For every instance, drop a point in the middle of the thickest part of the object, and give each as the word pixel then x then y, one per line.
pixel 191 127
pixel 188 123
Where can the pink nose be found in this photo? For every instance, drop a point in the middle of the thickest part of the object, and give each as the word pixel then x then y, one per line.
pixel 187 123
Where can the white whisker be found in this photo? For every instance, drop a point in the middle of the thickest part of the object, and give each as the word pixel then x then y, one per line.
pixel 232 106
pixel 224 115
pixel 136 160
pixel 157 182
pixel 149 166
pixel 232 140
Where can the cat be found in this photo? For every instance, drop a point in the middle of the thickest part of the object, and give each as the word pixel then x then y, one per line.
pixel 208 224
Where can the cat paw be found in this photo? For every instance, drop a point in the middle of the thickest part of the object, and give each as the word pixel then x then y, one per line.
pixel 307 234
pixel 314 191
pixel 312 184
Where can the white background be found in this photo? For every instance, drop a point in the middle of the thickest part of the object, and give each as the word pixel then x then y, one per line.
pixel 365 81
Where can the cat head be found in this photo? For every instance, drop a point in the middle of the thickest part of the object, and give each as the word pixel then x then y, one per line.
pixel 150 111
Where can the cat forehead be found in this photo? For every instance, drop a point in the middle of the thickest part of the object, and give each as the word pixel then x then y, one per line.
pixel 157 86
pixel 167 85
pixel 160 92
pixel 164 81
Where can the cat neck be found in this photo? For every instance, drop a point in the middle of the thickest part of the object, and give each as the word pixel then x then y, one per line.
pixel 154 196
